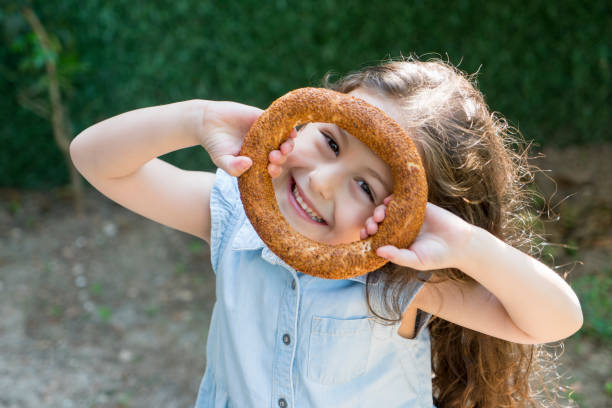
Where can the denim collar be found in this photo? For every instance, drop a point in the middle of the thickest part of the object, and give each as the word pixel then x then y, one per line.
pixel 247 240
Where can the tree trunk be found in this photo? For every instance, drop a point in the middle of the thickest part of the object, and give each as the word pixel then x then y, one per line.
pixel 61 132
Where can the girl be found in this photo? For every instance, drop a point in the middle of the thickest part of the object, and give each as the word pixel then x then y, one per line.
pixel 450 321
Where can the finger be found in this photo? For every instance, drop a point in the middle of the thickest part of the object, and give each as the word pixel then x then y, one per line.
pixel 363 234
pixel 234 166
pixel 275 157
pixel 380 213
pixel 242 164
pixel 371 226
pixel 388 199
pixel 293 133
pixel 274 170
pixel 287 146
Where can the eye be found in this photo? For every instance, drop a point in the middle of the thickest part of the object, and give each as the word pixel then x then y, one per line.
pixel 331 142
pixel 367 190
pixel 336 149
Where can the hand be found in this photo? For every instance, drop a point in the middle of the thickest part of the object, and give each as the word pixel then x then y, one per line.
pixel 221 132
pixel 278 157
pixel 372 222
pixel 441 243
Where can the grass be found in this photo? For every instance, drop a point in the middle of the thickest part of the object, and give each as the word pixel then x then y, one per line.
pixel 14 207
pixel 577 397
pixel 104 313
pixel 594 290
pixel 608 388
pixel 57 311
pixel 96 289
pixel 152 310
pixel 180 268
pixel 196 246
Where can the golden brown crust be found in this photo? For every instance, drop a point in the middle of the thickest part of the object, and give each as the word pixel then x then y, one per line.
pixel 386 138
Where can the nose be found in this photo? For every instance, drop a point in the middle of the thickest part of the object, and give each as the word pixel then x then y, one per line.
pixel 324 180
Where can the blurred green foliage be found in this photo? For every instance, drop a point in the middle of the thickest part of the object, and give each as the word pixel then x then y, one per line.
pixel 104 313
pixel 594 290
pixel 545 65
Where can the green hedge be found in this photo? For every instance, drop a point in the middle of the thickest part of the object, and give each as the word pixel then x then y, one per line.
pixel 545 65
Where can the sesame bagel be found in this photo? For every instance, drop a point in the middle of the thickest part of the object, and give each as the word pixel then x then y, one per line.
pixel 384 136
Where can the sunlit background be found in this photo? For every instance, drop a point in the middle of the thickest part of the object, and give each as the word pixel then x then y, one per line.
pixel 102 308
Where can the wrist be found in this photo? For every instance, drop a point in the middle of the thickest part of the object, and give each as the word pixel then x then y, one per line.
pixel 193 118
pixel 474 249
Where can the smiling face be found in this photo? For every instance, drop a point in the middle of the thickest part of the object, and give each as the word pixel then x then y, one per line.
pixel 336 177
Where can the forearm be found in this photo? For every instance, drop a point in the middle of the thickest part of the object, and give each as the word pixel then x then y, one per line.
pixel 120 145
pixel 537 300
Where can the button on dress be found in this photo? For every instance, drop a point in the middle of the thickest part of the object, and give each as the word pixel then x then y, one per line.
pixel 281 338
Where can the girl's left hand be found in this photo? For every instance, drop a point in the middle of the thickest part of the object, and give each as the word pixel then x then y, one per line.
pixel 441 242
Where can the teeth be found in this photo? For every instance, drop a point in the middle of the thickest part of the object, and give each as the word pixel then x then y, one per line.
pixel 305 207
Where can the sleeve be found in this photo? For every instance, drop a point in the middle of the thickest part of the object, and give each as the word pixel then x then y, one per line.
pixel 408 295
pixel 224 203
pixel 421 321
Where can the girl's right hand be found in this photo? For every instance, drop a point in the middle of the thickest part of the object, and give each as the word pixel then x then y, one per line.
pixel 221 131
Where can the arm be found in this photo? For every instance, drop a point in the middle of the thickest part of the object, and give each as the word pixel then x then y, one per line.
pixel 118 146
pixel 537 300
pixel 515 297
pixel 118 157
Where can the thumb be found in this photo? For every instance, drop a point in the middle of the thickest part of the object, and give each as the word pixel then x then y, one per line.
pixel 233 165
pixel 403 257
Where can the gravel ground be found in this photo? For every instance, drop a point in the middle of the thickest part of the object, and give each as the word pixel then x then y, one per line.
pixel 112 310
pixel 107 310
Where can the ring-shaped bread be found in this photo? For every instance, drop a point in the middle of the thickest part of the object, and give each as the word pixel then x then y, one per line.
pixel 385 137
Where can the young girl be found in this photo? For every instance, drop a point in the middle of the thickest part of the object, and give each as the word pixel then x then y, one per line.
pixel 462 308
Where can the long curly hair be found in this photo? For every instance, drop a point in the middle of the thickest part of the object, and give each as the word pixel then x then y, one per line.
pixel 477 168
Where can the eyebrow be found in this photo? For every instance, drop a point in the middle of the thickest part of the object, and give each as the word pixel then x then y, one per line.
pixel 345 141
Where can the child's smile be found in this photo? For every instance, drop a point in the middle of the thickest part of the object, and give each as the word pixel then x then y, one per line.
pixel 331 183
pixel 302 205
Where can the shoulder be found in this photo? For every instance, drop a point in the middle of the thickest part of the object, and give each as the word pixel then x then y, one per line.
pixel 225 186
pixel 225 196
pixel 224 200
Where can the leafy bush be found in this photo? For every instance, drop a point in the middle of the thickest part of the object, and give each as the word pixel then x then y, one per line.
pixel 545 65
pixel 594 294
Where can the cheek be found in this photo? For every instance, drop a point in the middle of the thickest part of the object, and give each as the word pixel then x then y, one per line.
pixel 354 214
pixel 349 227
pixel 362 217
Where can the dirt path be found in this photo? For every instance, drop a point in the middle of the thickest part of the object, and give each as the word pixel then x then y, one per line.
pixel 112 310
pixel 581 195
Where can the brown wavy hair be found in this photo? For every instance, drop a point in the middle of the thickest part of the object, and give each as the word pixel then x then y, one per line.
pixel 477 168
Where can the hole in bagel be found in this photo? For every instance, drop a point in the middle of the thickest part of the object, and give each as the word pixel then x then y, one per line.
pixel 312 207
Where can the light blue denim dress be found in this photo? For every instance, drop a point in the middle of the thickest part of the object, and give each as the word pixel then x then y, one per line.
pixel 281 338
